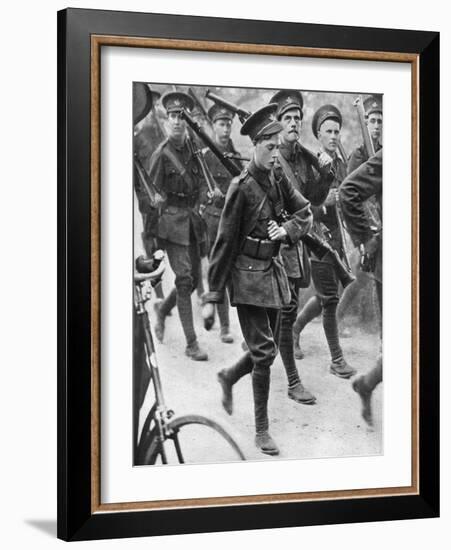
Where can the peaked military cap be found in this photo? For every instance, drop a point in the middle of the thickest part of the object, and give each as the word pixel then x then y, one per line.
pixel 325 112
pixel 286 100
pixel 372 104
pixel 262 123
pixel 216 112
pixel 177 101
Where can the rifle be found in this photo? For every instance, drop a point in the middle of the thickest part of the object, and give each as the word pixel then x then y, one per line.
pixel 320 248
pixel 367 141
pixel 144 181
pixel 230 166
pixel 242 114
pixel 206 172
pixel 200 106
pixel 341 223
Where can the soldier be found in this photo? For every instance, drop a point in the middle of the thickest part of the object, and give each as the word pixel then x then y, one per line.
pixel 361 185
pixel 245 256
pixel 326 126
pixel 221 120
pixel 312 177
pixel 174 171
pixel 373 114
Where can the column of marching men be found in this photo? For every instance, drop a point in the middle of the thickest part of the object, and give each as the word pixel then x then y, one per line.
pixel 252 231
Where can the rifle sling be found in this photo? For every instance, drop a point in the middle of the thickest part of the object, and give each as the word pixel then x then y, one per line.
pixel 288 171
pixel 171 155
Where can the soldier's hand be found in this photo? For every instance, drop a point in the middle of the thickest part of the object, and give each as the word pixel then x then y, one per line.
pixel 324 162
pixel 217 194
pixel 368 254
pixel 276 232
pixel 331 198
pixel 158 200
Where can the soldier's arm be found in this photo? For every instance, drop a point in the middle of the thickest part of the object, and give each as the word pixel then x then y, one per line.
pixel 156 172
pixel 358 187
pixel 298 206
pixel 227 244
pixel 356 159
pixel 318 181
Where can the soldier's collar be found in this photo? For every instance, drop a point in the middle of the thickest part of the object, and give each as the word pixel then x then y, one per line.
pixel 261 176
pixel 289 149
pixel 179 145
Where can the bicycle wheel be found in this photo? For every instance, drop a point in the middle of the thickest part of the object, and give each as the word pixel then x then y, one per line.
pixel 193 439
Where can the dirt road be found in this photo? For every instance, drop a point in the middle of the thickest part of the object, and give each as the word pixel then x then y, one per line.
pixel 331 428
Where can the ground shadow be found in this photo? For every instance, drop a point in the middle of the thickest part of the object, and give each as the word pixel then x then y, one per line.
pixel 47 526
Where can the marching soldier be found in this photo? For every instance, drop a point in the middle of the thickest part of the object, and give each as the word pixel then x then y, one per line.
pixel 221 119
pixel 373 115
pixel 326 126
pixel 176 175
pixel 372 107
pixel 245 256
pixel 361 185
pixel 312 177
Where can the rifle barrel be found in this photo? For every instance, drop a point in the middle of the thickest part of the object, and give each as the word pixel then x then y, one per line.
pixel 242 114
pixel 230 166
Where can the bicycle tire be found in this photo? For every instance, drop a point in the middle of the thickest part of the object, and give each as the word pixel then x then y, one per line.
pixel 152 448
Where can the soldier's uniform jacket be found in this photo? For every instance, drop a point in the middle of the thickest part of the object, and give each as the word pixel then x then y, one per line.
pixel 252 280
pixel 361 185
pixel 179 182
pixel 314 186
pixel 325 219
pixel 359 156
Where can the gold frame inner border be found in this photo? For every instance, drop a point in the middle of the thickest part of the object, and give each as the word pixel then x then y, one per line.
pixel 97 41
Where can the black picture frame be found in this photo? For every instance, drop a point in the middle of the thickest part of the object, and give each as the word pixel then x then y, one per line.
pixel 77 520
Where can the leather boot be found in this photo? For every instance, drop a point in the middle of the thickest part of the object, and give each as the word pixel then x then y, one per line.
pixel 195 352
pixel 341 369
pixel 226 337
pixel 365 394
pixel 223 314
pixel 228 377
pixel 260 387
pixel 185 310
pixel 298 353
pixel 311 310
pixel 301 395
pixel 162 310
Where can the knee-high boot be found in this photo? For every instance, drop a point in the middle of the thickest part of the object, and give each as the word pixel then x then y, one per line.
pixel 260 388
pixel 229 376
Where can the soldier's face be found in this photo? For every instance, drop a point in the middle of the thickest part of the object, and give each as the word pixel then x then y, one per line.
pixel 374 123
pixel 223 129
pixel 328 135
pixel 177 124
pixel 291 121
pixel 265 152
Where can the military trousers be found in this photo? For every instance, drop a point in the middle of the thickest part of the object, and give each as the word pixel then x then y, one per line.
pixel 260 328
pixel 372 378
pixel 185 262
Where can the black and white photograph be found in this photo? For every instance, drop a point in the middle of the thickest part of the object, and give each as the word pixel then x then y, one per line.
pixel 257 300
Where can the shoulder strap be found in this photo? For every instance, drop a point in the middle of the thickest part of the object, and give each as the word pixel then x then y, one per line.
pixel 288 171
pixel 172 156
pixel 251 222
